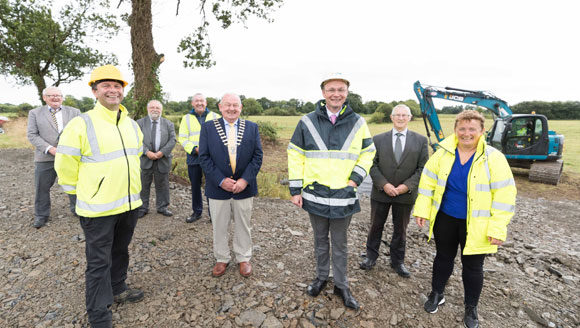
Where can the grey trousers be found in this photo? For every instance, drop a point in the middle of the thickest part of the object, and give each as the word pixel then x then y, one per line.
pixel 44 177
pixel 338 229
pixel 161 187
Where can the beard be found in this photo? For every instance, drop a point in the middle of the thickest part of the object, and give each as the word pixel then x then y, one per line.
pixel 154 116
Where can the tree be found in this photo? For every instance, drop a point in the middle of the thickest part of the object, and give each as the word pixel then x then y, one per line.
pixel 35 46
pixel 355 102
pixel 251 107
pixel 196 46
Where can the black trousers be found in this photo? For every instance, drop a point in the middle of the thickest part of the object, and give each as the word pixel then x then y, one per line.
pixel 107 249
pixel 449 233
pixel 401 214
pixel 195 172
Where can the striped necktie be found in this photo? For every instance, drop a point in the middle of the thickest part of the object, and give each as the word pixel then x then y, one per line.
pixel 53 114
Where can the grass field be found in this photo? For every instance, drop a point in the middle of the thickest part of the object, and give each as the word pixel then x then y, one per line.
pixel 274 167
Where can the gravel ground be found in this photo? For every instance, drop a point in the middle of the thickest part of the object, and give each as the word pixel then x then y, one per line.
pixel 531 282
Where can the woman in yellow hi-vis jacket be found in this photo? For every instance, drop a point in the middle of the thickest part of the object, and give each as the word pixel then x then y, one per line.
pixel 467 193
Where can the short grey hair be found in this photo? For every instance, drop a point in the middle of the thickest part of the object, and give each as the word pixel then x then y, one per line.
pixel 231 94
pixel 402 106
pixel 154 100
pixel 198 94
pixel 45 91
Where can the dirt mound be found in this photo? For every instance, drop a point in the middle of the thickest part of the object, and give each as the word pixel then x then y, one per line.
pixel 532 281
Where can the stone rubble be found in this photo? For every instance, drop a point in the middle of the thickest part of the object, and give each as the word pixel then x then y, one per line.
pixel 533 281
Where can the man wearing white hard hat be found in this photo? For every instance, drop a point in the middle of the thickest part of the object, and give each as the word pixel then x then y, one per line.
pixel 329 155
pixel 98 160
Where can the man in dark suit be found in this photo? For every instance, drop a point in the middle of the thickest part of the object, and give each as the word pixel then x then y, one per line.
pixel 231 156
pixel 158 142
pixel 397 166
pixel 45 124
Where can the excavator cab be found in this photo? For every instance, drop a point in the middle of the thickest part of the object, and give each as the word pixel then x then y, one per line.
pixel 522 136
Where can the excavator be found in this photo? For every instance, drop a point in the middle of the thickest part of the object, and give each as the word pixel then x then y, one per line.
pixel 524 139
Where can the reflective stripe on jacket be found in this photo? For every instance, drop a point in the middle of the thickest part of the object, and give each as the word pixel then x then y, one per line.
pixel 189 130
pixel 491 194
pixel 98 160
pixel 323 157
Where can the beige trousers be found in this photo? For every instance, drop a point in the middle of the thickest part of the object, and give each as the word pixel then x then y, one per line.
pixel 221 211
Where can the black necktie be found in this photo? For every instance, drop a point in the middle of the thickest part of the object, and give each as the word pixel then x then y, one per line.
pixel 154 135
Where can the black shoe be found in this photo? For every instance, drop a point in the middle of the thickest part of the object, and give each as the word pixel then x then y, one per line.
pixel 39 223
pixel 401 270
pixel 141 213
pixel 129 296
pixel 165 212
pixel 368 264
pixel 194 217
pixel 347 298
pixel 316 287
pixel 470 317
pixel 433 301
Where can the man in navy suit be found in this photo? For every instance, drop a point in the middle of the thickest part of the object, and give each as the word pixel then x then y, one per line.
pixel 230 152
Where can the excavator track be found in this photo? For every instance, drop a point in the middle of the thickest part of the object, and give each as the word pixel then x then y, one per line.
pixel 546 172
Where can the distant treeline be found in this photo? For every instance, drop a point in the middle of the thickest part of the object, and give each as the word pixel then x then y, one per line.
pixel 562 110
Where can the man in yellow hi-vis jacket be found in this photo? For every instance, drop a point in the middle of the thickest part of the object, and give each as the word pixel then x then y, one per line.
pixel 98 160
pixel 189 130
pixel 329 155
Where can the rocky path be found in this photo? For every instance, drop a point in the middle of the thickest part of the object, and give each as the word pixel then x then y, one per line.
pixel 532 282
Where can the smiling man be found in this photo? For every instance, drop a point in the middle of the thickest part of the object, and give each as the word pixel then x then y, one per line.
pixel 329 155
pixel 45 124
pixel 98 160
pixel 401 156
pixel 230 152
pixel 189 129
pixel 158 143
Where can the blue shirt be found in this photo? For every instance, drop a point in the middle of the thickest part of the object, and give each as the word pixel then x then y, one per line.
pixel 454 201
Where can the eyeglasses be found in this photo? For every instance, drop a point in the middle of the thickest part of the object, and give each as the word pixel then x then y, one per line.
pixel 53 96
pixel 341 90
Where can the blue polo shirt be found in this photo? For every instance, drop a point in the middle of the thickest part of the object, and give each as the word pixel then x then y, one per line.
pixel 454 201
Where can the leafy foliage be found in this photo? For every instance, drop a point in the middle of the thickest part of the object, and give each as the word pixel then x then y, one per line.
pixel 196 46
pixel 251 107
pixel 564 110
pixel 36 45
pixel 268 131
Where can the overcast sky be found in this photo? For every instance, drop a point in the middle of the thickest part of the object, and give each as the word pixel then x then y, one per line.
pixel 518 50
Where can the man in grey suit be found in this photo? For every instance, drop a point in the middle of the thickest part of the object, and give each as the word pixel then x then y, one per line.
pixel 158 142
pixel 397 166
pixel 45 124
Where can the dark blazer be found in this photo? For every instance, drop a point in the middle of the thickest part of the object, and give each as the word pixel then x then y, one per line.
pixel 385 168
pixel 42 130
pixel 166 143
pixel 215 161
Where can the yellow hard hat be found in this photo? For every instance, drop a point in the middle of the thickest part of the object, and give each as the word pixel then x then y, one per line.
pixel 334 76
pixel 107 72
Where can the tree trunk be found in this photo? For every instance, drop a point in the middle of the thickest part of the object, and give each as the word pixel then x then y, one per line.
pixel 145 60
pixel 40 84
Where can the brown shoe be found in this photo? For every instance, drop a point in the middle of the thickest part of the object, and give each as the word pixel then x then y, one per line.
pixel 245 269
pixel 219 269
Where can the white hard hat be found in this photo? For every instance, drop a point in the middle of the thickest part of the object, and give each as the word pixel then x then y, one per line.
pixel 334 76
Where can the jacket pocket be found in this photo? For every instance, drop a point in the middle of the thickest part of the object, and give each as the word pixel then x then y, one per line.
pixel 98 187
